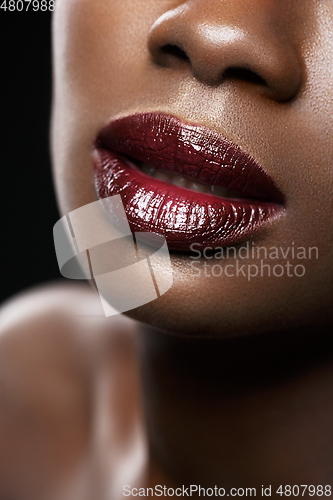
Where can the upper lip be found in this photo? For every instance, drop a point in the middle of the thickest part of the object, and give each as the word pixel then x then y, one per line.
pixel 166 142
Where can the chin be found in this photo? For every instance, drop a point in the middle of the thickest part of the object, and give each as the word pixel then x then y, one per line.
pixel 209 307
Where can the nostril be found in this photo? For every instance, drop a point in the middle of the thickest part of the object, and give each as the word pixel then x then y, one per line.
pixel 244 74
pixel 175 51
pixel 217 46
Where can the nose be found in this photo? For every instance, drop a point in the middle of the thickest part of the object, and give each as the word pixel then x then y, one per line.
pixel 250 41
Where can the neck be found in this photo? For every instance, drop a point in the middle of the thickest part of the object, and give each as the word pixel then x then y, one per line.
pixel 239 412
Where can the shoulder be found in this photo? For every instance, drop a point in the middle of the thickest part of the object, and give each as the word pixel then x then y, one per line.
pixel 51 341
pixel 58 313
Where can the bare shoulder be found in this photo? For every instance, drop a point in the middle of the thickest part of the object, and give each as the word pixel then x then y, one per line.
pixel 58 325
pixel 61 313
pixel 53 342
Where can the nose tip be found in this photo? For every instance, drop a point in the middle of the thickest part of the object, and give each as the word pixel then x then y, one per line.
pixel 217 41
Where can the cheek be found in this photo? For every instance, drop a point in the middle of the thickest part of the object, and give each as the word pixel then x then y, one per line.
pixel 101 48
pixel 100 57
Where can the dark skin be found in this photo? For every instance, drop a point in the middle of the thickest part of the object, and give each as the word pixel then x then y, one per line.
pixel 255 408
pixel 225 381
pixel 90 407
pixel 284 123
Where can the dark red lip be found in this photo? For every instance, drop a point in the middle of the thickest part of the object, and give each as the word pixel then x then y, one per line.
pixel 182 215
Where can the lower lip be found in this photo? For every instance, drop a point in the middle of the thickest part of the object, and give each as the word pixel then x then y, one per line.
pixel 183 216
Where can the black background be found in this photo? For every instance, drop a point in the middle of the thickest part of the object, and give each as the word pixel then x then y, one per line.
pixel 28 206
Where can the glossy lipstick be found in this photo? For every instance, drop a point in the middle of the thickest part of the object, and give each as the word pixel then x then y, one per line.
pixel 182 215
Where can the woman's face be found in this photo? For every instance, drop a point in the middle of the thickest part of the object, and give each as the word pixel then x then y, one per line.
pixel 206 73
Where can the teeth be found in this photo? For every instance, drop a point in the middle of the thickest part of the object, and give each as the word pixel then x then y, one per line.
pixel 196 186
pixel 219 191
pixel 162 176
pixel 184 182
pixel 180 181
pixel 149 169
